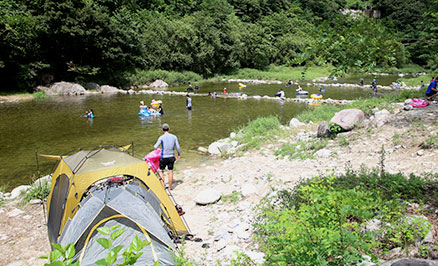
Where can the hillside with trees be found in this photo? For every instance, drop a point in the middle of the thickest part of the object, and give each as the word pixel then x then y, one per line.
pixel 115 41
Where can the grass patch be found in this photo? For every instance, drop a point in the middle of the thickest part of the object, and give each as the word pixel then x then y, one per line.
pixel 301 150
pixel 430 143
pixel 233 197
pixel 258 130
pixel 320 113
pixel 145 77
pixel 282 73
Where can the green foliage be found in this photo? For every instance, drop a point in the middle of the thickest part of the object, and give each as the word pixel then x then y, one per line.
pixel 323 228
pixel 38 191
pixel 261 129
pixel 357 44
pixel 335 128
pixel 107 41
pixel 40 95
pixel 61 256
pixel 285 73
pixel 301 150
pixel 130 255
pixel 319 221
pixel 170 77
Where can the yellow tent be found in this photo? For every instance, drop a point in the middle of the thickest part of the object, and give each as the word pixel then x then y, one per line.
pixel 79 175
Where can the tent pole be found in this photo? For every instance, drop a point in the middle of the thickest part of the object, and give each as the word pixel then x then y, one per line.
pixel 39 183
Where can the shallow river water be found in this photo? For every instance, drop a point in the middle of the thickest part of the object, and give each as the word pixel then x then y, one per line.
pixel 54 126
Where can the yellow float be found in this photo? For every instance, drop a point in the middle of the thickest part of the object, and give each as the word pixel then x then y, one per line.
pixel 156 104
pixel 316 96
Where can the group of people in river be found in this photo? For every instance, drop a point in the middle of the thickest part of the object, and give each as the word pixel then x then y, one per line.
pixel 156 108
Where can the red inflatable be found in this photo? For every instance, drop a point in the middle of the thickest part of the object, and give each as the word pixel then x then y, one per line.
pixel 419 103
pixel 153 159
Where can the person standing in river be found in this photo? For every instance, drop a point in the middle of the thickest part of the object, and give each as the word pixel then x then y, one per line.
pixel 188 102
pixel 168 144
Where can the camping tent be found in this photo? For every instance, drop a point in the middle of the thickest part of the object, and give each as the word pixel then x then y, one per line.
pixel 106 187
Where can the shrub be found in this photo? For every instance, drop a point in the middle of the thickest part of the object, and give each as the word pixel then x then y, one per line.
pixel 143 77
pixel 323 228
pixel 40 95
pixel 38 191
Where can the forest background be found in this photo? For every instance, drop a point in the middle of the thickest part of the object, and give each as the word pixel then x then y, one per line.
pixel 119 42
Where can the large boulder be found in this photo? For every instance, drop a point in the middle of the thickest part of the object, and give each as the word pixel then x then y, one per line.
pixel 159 84
pixel 347 119
pixel 381 117
pixel 65 88
pixel 106 89
pixel 16 192
pixel 295 123
pixel 219 147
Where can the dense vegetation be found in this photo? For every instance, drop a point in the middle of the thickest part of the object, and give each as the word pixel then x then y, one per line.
pixel 322 220
pixel 118 42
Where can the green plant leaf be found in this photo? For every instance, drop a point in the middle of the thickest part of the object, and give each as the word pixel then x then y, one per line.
pixel 55 263
pixel 76 263
pixel 156 263
pixel 70 251
pixel 102 262
pixel 117 249
pixel 104 230
pixel 137 244
pixel 117 233
pixel 114 227
pixel 54 255
pixel 45 257
pixel 105 243
pixel 111 257
pixel 58 247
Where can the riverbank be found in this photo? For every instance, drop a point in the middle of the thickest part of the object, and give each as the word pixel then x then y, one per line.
pixel 244 180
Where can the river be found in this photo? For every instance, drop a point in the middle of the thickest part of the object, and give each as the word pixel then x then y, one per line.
pixel 54 126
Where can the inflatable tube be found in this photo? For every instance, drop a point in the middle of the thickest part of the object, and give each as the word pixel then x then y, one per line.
pixel 156 104
pixel 144 112
pixel 241 85
pixel 419 103
pixel 153 159
pixel 316 96
pixel 302 93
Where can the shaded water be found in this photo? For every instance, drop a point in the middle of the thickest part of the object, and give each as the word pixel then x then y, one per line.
pixel 54 126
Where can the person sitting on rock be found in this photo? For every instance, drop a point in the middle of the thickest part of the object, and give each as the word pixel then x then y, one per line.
pixel 432 91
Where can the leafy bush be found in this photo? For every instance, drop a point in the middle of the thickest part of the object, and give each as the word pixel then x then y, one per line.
pixel 143 77
pixel 263 128
pixel 38 191
pixel 319 222
pixel 323 228
pixel 40 95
